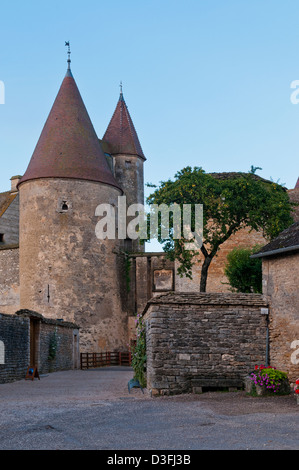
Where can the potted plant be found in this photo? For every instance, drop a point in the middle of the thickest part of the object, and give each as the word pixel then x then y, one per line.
pixel 296 390
pixel 268 381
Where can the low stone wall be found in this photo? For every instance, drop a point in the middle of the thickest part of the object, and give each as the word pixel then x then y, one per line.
pixel 203 340
pixel 65 336
pixel 15 347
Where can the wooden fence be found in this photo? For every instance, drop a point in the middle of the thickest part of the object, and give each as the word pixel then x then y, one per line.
pixel 108 358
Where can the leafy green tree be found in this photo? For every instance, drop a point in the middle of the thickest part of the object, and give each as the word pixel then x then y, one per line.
pixel 244 273
pixel 229 204
pixel 139 352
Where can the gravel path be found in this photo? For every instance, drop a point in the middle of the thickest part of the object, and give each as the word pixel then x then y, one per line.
pixel 93 410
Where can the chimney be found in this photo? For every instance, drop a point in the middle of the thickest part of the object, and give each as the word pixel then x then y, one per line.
pixel 14 181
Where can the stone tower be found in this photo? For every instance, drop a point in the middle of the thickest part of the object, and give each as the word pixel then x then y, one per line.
pixel 121 144
pixel 65 270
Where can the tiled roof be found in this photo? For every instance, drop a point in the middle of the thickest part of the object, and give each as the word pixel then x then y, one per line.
pixel 288 240
pixel 68 146
pixel 206 298
pixel 121 136
pixel 237 174
pixel 6 199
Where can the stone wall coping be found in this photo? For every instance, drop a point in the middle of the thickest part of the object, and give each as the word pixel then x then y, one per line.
pixel 7 315
pixel 147 254
pixel 49 321
pixel 203 298
pixel 9 247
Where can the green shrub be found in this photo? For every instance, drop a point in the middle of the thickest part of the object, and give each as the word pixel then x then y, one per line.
pixel 244 273
pixel 139 352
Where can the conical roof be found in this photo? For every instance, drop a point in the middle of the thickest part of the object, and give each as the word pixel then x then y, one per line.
pixel 121 135
pixel 297 184
pixel 68 146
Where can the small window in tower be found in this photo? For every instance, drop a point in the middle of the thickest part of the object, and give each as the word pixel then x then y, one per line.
pixel 1 237
pixel 110 162
pixel 128 163
pixel 64 207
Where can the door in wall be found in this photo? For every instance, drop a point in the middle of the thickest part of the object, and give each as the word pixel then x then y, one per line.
pixel 33 342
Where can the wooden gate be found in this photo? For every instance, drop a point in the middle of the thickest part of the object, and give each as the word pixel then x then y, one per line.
pixel 108 358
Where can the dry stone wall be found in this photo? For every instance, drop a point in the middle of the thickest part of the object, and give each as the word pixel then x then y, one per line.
pixel 15 344
pixel 15 347
pixel 203 340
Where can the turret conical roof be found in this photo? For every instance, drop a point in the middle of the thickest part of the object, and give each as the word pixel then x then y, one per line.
pixel 121 136
pixel 68 146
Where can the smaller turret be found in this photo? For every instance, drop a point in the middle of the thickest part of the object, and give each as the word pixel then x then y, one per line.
pixel 122 146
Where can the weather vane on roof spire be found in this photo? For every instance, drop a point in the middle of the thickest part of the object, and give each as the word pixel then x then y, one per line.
pixel 67 43
pixel 121 97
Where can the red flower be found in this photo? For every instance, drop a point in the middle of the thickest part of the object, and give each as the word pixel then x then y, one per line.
pixel 297 391
pixel 297 381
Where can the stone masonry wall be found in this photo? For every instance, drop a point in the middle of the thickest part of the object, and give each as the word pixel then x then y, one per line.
pixel 217 281
pixel 64 354
pixel 280 285
pixel 15 347
pixel 9 280
pixel 203 340
pixel 65 270
pixel 146 264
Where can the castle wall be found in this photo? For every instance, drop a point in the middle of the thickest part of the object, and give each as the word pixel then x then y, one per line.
pixel 217 281
pixel 280 285
pixel 203 340
pixel 66 271
pixel 9 280
pixel 128 171
pixel 147 277
pixel 147 264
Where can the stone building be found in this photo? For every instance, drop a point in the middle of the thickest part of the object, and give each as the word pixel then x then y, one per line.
pixel 198 341
pixel 280 260
pixel 51 260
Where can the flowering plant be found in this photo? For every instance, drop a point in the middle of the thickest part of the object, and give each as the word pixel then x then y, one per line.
pixel 261 367
pixel 268 378
pixel 296 387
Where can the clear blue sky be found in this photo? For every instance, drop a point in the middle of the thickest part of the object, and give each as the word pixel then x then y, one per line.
pixel 207 82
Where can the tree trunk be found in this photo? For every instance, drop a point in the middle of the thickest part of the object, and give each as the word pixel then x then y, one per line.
pixel 204 273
